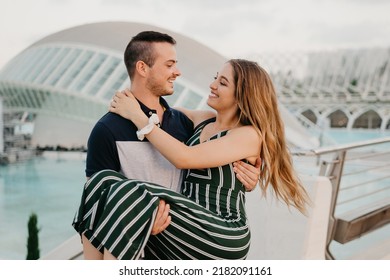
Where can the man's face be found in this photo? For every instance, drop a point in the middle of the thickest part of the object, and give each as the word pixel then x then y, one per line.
pixel 163 73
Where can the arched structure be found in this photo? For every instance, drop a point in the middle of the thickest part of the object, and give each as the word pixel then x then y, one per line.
pixel 67 79
pixel 328 83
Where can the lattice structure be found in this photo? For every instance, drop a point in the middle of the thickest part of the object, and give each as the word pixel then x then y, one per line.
pixel 345 88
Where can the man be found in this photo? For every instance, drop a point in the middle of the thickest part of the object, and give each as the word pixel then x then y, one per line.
pixel 151 62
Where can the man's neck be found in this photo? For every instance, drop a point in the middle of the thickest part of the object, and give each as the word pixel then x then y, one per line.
pixel 146 97
pixel 149 99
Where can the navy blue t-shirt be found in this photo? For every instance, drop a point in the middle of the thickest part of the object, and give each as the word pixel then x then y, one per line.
pixel 113 144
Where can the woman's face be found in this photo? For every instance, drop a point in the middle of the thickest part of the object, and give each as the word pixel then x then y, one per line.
pixel 222 95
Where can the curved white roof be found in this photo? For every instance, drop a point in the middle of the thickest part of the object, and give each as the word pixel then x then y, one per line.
pixel 197 62
pixel 69 76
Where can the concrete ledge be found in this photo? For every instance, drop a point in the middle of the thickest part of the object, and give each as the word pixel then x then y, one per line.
pixel 280 233
pixel 356 223
pixel 71 249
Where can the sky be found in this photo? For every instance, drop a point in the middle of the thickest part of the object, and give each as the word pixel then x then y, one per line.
pixel 234 28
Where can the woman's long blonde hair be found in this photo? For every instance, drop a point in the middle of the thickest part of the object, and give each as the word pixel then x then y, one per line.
pixel 258 106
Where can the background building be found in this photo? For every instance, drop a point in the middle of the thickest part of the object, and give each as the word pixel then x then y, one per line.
pixel 337 89
pixel 65 82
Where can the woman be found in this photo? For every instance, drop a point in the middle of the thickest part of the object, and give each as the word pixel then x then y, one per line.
pixel 208 220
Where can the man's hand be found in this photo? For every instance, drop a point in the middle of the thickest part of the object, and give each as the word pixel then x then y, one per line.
pixel 163 219
pixel 247 173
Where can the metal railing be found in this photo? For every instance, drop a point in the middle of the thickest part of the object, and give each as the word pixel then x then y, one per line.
pixel 360 178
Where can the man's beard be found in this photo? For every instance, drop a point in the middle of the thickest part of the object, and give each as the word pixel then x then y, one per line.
pixel 158 90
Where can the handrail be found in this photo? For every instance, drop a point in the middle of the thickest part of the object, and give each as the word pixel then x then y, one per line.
pixel 377 214
pixel 340 147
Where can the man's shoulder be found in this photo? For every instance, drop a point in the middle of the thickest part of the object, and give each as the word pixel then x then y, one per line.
pixel 179 115
pixel 118 127
pixel 178 125
pixel 107 117
pixel 174 112
pixel 180 120
pixel 111 120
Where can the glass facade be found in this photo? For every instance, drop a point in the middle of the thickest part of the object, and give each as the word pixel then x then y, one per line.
pixel 74 81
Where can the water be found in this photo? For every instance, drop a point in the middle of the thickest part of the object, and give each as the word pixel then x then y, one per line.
pixel 342 136
pixel 49 187
pixel 52 188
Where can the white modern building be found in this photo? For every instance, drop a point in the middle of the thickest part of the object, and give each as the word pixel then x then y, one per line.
pixel 62 85
pixel 347 88
pixel 66 81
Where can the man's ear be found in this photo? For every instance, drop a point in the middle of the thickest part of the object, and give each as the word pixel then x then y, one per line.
pixel 142 68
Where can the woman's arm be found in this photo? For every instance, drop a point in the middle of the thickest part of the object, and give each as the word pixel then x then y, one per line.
pixel 239 143
pixel 242 142
pixel 197 116
pixel 247 174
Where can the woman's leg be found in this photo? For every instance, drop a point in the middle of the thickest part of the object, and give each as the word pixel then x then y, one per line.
pixel 84 218
pixel 122 217
pixel 108 256
pixel 90 252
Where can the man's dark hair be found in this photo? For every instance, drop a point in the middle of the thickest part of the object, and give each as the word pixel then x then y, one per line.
pixel 141 48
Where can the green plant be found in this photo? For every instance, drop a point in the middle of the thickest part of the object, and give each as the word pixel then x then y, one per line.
pixel 33 240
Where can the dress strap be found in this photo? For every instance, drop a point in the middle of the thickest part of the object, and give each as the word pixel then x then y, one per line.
pixel 204 123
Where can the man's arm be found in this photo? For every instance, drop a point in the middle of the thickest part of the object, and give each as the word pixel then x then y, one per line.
pixel 248 174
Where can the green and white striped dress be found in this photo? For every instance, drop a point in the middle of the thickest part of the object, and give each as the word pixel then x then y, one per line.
pixel 208 218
